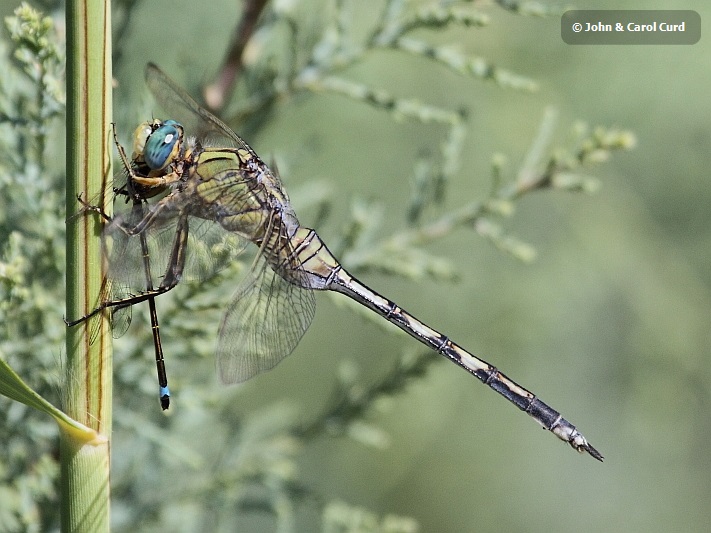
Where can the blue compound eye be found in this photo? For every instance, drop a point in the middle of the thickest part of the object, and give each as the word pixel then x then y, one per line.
pixel 162 145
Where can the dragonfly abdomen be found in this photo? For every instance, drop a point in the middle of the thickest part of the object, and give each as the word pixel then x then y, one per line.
pixel 525 400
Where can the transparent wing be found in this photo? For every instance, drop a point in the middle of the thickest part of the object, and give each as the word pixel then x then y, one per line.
pixel 209 247
pixel 195 120
pixel 265 321
pixel 120 317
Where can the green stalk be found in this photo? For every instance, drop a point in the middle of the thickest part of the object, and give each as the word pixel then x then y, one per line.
pixel 87 391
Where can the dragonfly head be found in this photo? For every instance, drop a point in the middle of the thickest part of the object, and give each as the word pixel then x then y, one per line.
pixel 157 143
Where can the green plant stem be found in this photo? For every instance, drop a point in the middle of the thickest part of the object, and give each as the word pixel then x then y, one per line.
pixel 87 391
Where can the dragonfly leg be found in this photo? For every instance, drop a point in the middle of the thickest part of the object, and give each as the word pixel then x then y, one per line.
pixel 157 181
pixel 121 302
pixel 86 207
pixel 171 278
pixel 128 229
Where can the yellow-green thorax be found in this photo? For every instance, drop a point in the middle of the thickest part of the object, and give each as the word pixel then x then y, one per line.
pixel 234 187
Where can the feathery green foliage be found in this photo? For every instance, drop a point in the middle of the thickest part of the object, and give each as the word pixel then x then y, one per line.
pixel 31 262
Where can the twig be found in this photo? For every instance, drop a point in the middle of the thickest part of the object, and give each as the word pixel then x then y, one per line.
pixel 216 94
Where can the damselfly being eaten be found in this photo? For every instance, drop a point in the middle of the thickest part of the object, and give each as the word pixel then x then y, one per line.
pixel 194 190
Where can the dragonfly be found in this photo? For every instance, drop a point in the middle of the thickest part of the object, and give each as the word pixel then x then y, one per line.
pixel 200 194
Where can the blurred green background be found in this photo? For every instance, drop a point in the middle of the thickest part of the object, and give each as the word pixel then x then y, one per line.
pixel 610 324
